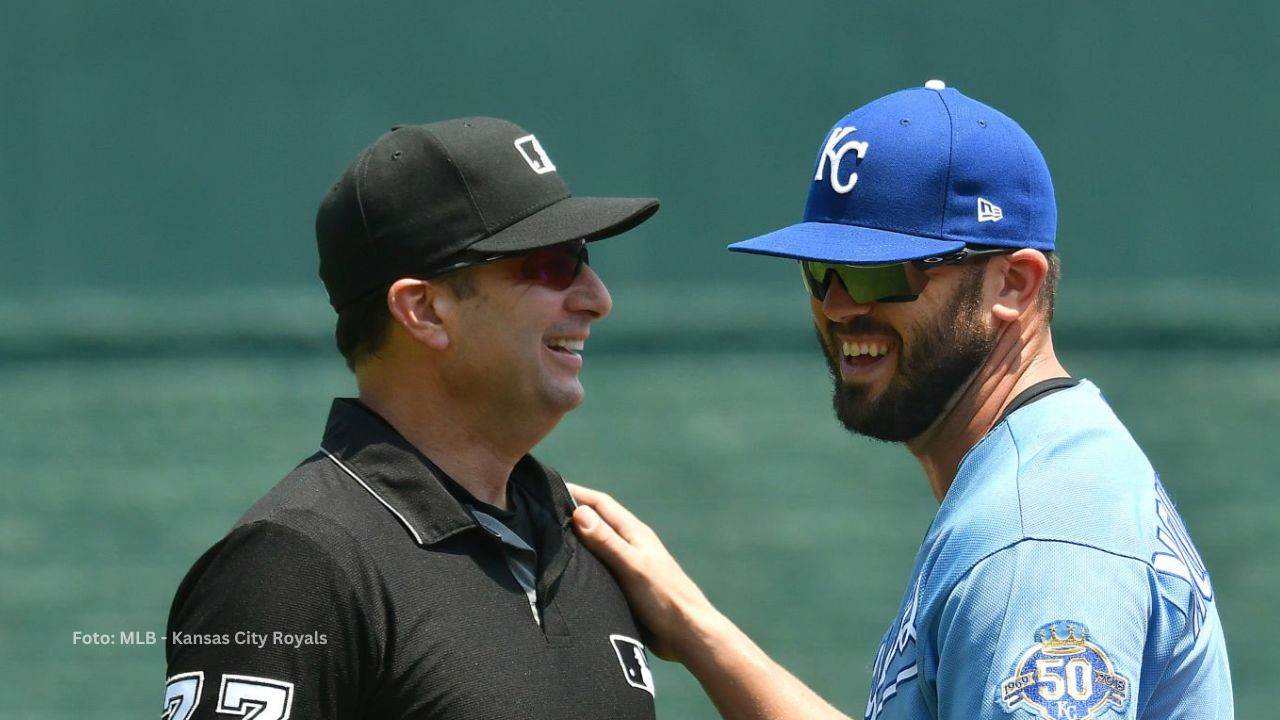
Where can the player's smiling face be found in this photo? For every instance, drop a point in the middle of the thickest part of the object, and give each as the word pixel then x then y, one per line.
pixel 896 366
pixel 520 342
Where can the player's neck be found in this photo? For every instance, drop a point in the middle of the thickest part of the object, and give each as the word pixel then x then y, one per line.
pixel 1018 361
pixel 476 446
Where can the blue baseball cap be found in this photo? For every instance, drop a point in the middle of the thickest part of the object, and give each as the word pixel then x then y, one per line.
pixel 917 174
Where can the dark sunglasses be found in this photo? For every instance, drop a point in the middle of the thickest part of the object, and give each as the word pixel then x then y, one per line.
pixel 899 282
pixel 554 266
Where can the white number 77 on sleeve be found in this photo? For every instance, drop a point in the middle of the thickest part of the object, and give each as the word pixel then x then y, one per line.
pixel 244 696
pixel 182 695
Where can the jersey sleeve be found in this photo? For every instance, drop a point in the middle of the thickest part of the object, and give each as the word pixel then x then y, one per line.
pixel 1054 629
pixel 268 625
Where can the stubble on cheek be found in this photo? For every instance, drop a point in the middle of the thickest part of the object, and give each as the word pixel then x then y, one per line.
pixel 942 352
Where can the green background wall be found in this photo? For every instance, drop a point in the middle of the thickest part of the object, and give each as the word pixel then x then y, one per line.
pixel 164 344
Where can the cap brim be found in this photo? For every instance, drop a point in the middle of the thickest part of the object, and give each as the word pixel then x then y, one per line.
pixel 845 244
pixel 573 218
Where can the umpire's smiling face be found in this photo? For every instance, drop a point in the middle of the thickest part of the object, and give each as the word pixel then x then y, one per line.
pixel 896 366
pixel 517 342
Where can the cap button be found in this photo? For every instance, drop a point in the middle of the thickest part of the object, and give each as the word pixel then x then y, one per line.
pixel 936 85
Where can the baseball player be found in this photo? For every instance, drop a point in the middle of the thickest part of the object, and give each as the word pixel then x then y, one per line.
pixel 1056 580
pixel 420 564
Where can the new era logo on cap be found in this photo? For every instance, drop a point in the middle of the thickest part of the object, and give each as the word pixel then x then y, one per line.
pixel 989 211
pixel 532 152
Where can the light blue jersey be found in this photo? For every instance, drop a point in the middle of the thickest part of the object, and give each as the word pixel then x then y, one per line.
pixel 1057 582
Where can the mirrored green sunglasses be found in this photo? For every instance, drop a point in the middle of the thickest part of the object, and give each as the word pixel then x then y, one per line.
pixel 897 282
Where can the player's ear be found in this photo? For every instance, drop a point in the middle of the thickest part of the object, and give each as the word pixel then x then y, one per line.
pixel 1017 284
pixel 418 306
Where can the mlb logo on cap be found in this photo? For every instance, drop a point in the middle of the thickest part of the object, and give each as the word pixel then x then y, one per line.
pixel 920 173
pixel 532 152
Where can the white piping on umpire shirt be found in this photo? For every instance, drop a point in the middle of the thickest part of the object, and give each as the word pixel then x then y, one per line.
pixel 524 571
pixel 417 538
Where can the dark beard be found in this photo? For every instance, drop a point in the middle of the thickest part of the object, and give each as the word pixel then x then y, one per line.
pixel 947 350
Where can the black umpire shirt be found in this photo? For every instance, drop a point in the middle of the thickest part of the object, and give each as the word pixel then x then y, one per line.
pixel 364 586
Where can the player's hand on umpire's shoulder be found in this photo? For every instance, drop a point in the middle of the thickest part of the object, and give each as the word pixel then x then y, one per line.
pixel 663 597
pixel 742 681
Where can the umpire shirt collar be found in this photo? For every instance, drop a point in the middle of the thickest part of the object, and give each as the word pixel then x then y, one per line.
pixel 411 487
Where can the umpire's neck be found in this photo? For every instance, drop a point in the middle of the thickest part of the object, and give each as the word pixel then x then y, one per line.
pixel 473 426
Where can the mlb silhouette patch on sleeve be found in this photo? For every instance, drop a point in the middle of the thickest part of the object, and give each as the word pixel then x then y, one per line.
pixel 1065 674
pixel 635 664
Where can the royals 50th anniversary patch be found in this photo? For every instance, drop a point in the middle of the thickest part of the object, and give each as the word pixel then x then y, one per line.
pixel 1065 675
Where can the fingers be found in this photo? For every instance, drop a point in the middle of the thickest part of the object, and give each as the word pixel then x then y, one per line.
pixel 661 595
pixel 585 495
pixel 620 519
pixel 600 538
pixel 578 491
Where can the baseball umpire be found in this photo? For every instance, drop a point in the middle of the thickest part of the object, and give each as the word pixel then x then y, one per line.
pixel 1056 580
pixel 421 563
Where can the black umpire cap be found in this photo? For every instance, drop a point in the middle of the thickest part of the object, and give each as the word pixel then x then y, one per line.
pixel 422 194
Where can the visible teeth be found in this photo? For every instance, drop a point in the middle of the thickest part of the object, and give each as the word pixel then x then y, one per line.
pixel 568 344
pixel 853 349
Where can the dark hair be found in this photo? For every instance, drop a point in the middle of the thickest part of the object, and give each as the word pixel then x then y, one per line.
pixel 364 323
pixel 461 283
pixel 362 327
pixel 1049 288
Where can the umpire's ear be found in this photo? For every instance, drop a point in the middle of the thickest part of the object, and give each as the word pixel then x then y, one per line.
pixel 1019 277
pixel 419 307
